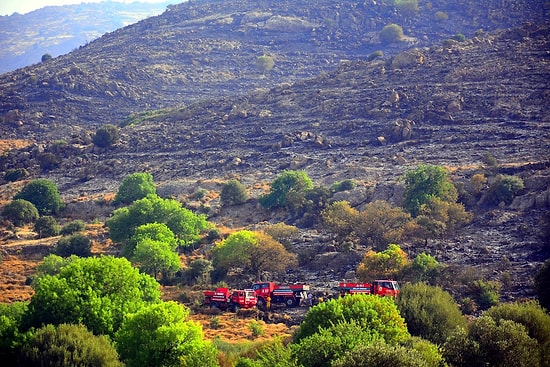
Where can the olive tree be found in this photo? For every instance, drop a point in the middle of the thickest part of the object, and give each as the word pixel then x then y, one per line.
pixel 135 186
pixel 43 194
pixel 20 212
pixel 288 191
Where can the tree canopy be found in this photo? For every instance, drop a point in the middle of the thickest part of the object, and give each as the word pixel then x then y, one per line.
pixel 97 292
pixel 288 190
pixel 43 194
pixel 384 264
pixel 135 186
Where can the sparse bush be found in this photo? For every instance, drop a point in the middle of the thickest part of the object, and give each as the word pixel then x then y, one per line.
pixel 503 189
pixel 200 194
pixel 343 185
pixel 43 194
pixel 459 37
pixel 76 244
pixel 485 293
pixel 20 212
pixel 391 33
pixel 407 8
pixel 489 160
pixel 48 161
pixel 45 57
pixel 441 16
pixel 233 193
pixel 47 226
pixel 430 312
pixel 375 55
pixel 73 227
pixel 106 136
pixel 256 328
pixel 134 187
pixel 15 174
pixel 478 183
pixel 283 233
pixel 265 63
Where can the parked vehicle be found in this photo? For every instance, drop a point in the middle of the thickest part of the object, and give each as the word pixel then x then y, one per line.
pixel 382 287
pixel 270 292
pixel 225 299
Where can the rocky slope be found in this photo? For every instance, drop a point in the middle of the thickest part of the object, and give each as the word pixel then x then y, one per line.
pixel 449 104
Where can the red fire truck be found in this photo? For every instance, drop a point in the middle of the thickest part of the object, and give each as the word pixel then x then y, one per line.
pixel 382 287
pixel 290 295
pixel 225 299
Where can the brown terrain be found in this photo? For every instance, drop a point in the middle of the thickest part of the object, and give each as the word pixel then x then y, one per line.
pixel 195 112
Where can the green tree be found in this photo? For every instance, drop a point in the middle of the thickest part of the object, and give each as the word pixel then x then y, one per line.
pixel 429 312
pixel 43 194
pixel 427 182
pixel 150 231
pixel 77 244
pixel 340 218
pixel 47 226
pixel 11 336
pixel 159 335
pixel 288 191
pixel 424 267
pixel 106 136
pixel 96 291
pixel 45 57
pixel 154 257
pixel 199 272
pixel 491 343
pixel 68 345
pixel 255 252
pixel 135 186
pixel 384 264
pixel 370 312
pixel 20 212
pixel 391 33
pixel 382 354
pixel 325 346
pixel 233 193
pixel 185 224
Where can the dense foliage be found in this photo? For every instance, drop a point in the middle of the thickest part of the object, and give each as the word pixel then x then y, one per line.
pixel 43 194
pixel 386 264
pixel 96 292
pixel 134 187
pixel 233 193
pixel 76 244
pixel 20 212
pixel 46 226
pixel 288 190
pixel 106 136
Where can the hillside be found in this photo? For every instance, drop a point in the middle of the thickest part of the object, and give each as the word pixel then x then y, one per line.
pixel 57 30
pixel 325 108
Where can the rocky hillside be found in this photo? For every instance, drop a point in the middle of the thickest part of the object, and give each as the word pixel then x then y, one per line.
pixel 450 103
pixel 57 30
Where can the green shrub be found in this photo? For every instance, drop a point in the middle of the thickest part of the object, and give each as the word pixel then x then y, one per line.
pixel 20 212
pixel 47 226
pixel 459 37
pixel 408 8
pixel 375 55
pixel 485 293
pixel 45 57
pixel 503 189
pixel 15 174
pixel 391 33
pixel 288 190
pixel 381 354
pixel 73 227
pixel 48 161
pixel 76 244
pixel 43 194
pixel 256 328
pixel 233 193
pixel 68 345
pixel 265 63
pixel 430 312
pixel 345 185
pixel 106 135
pixel 134 187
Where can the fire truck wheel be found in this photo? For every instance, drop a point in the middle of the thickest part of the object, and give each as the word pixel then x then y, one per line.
pixel 290 302
pixel 236 308
pixel 214 305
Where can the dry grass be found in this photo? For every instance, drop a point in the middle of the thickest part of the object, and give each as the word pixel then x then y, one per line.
pixel 13 277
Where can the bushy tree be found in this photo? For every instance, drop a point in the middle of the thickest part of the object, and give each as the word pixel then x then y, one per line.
pixel 391 33
pixel 427 182
pixel 45 57
pixel 485 293
pixel 46 226
pixel 492 343
pixel 43 194
pixel 68 345
pixel 269 354
pixel 370 312
pixel 106 135
pixel 430 312
pixel 424 267
pixel 135 186
pixel 255 252
pixel 325 346
pixel 75 226
pixel 96 291
pixel 339 217
pixel 150 231
pixel 154 257
pixel 185 224
pixel 160 335
pixel 382 354
pixel 11 336
pixel 15 174
pixel 76 244
pixel 384 264
pixel 199 271
pixel 20 212
pixel 451 214
pixel 233 193
pixel 288 190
